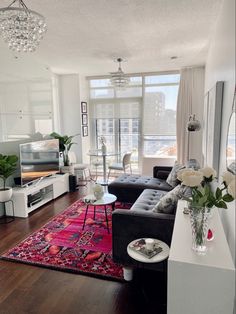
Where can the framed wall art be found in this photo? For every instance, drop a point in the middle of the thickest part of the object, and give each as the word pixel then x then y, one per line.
pixel 85 130
pixel 83 107
pixel 84 119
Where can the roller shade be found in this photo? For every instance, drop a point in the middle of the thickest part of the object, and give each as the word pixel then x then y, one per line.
pixel 116 109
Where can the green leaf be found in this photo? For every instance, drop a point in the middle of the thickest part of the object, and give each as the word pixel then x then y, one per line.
pixel 218 193
pixel 228 198
pixel 221 204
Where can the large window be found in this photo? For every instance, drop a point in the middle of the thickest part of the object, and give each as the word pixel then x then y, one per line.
pixel 140 118
pixel 159 116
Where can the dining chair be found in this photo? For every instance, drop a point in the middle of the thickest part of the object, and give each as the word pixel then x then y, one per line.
pixel 126 163
pixel 81 171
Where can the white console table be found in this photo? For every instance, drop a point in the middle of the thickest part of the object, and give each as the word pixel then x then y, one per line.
pixel 199 284
pixel 49 188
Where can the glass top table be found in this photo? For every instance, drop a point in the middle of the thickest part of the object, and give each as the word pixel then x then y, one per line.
pixel 99 153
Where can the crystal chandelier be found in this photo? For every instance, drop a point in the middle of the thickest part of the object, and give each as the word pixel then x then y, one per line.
pixel 21 28
pixel 119 79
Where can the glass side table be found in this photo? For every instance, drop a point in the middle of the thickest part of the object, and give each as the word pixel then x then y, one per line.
pixel 4 219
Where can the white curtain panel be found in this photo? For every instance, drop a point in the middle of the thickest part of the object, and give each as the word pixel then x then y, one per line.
pixel 190 101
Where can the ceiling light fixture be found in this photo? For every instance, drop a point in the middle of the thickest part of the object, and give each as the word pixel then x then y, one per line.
pixel 21 28
pixel 119 79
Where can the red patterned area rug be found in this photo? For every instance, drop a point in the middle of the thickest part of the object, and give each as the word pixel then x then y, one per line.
pixel 61 244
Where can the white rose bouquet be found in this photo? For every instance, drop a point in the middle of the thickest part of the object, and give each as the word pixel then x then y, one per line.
pixel 201 192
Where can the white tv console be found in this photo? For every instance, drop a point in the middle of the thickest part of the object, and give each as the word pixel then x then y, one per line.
pixel 49 188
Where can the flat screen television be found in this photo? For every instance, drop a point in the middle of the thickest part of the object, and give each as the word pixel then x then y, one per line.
pixel 38 159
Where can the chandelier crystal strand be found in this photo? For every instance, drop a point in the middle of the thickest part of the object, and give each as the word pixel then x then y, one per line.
pixel 119 79
pixel 21 28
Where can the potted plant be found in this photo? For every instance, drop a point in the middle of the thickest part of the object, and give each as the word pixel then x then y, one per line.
pixel 8 164
pixel 65 143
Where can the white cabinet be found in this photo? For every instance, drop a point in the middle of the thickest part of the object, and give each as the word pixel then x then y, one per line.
pixel 47 189
pixel 199 284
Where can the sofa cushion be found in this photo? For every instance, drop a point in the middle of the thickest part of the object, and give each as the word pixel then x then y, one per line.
pixel 172 177
pixel 145 182
pixel 147 200
pixel 168 202
pixel 127 188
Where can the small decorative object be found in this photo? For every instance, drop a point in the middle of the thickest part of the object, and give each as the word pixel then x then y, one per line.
pixel 21 28
pixel 149 244
pixel 193 163
pixel 98 191
pixel 186 210
pixel 103 144
pixel 193 124
pixel 7 168
pixel 210 235
pixel 203 199
pixel 83 107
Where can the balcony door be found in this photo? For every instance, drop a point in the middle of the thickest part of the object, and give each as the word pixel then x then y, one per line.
pixel 122 131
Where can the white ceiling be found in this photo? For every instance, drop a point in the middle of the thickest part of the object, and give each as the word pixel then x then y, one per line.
pixel 85 36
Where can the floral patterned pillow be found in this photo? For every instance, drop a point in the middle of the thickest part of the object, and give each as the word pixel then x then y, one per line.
pixel 168 202
pixel 172 177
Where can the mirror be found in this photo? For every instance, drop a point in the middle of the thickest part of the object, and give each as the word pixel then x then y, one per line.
pixel 230 149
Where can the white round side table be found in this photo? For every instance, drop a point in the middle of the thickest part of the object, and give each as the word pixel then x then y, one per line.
pixel 107 199
pixel 156 258
pixel 128 271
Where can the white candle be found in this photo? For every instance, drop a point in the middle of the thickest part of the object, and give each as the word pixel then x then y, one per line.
pixel 149 244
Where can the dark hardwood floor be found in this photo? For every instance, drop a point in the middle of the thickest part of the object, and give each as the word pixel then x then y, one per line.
pixel 31 289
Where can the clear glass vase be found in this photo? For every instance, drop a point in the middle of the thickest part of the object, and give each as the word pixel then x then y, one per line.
pixel 199 218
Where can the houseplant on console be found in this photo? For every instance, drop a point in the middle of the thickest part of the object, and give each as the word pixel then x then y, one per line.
pixel 65 143
pixel 204 198
pixel 7 168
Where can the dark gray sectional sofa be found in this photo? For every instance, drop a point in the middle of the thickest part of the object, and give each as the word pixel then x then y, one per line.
pixel 127 188
pixel 140 221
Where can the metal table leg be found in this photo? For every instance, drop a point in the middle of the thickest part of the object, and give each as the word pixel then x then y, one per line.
pixel 85 216
pixel 106 218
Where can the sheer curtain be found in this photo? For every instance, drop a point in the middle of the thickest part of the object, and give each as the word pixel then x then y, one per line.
pixel 190 101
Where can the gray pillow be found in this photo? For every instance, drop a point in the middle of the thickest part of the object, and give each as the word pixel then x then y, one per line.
pixel 172 177
pixel 168 202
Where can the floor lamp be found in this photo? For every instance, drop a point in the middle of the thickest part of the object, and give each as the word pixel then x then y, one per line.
pixel 193 125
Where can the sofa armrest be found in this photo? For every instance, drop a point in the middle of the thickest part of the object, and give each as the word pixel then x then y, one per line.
pixel 128 225
pixel 161 172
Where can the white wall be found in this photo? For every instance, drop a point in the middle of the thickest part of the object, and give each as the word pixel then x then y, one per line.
pixel 69 120
pixel 69 91
pixel 220 66
pixel 84 96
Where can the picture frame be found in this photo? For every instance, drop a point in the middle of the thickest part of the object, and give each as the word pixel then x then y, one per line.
pixel 84 119
pixel 83 107
pixel 85 130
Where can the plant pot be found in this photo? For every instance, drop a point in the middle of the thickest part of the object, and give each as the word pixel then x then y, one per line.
pixel 199 219
pixel 67 169
pixel 5 194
